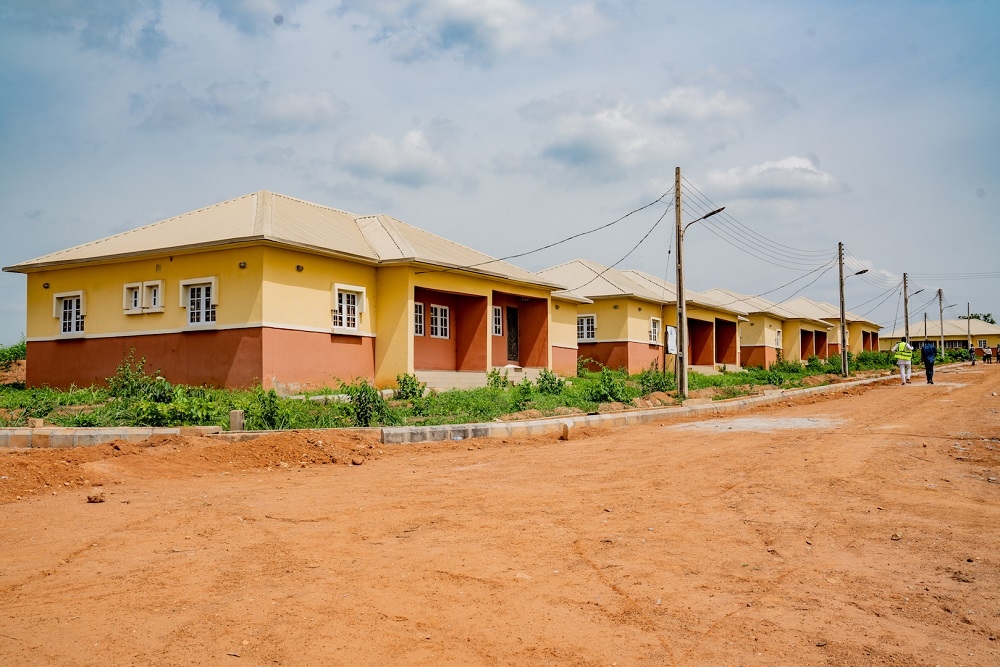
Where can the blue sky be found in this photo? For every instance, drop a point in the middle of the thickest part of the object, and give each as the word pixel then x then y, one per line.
pixel 506 125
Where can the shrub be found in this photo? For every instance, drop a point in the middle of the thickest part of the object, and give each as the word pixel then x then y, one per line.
pixel 520 395
pixel 788 367
pixel 550 383
pixel 368 407
pixel 408 387
pixel 496 381
pixel 610 387
pixel 130 382
pixel 652 380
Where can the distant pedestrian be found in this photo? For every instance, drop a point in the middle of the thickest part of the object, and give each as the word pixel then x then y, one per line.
pixel 972 354
pixel 987 354
pixel 903 353
pixel 928 354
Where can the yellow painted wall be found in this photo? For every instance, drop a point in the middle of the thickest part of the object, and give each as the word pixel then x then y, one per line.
pixel 612 323
pixel 639 313
pixel 304 299
pixel 762 329
pixel 855 336
pixel 562 322
pixel 791 336
pixel 394 334
pixel 239 291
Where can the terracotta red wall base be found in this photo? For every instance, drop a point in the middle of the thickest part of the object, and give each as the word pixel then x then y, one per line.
pixel 229 358
pixel 635 357
pixel 234 358
pixel 564 361
pixel 758 356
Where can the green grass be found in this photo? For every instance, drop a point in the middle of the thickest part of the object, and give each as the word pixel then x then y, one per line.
pixel 136 397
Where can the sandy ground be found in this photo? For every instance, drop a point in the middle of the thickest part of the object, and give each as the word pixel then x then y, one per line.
pixel 856 530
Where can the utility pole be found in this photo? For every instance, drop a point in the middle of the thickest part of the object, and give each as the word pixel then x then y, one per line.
pixel 925 325
pixel 968 325
pixel 681 370
pixel 941 320
pixel 843 313
pixel 906 311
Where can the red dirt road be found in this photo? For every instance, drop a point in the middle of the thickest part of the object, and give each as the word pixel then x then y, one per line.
pixel 857 530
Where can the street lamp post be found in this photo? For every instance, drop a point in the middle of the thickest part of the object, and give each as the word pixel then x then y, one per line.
pixel 844 370
pixel 682 379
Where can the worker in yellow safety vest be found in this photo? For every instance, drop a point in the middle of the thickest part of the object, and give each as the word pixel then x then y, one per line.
pixel 903 353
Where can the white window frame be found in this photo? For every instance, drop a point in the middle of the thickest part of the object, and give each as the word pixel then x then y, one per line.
pixel 77 323
pixel 982 342
pixel 497 320
pixel 779 339
pixel 581 319
pixel 440 324
pixel 132 298
pixel 655 327
pixel 208 314
pixel 152 296
pixel 418 318
pixel 342 321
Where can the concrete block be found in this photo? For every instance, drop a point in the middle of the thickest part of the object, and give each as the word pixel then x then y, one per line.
pixel 34 422
pixel 20 437
pixel 137 434
pixel 437 433
pixel 89 438
pixel 4 438
pixel 189 431
pixel 235 420
pixel 41 438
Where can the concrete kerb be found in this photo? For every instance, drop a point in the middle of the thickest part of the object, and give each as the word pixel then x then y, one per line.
pixel 563 426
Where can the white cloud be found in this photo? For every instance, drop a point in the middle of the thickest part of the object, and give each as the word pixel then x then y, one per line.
pixel 476 30
pixel 411 161
pixel 606 136
pixel 240 107
pixel 787 178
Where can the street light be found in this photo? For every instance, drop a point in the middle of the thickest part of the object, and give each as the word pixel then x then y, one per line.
pixel 682 378
pixel 844 370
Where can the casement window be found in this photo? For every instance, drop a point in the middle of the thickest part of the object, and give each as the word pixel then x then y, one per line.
pixel 70 308
pixel 952 344
pixel 440 321
pixel 138 298
pixel 981 342
pixel 152 296
pixel 418 319
pixel 200 297
pixel 777 340
pixel 132 298
pixel 586 327
pixel 348 304
pixel 654 330
pixel 497 321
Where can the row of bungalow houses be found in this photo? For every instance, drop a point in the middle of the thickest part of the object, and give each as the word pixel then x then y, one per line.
pixel 274 290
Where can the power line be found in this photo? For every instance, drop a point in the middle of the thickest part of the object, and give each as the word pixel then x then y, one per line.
pixel 646 236
pixel 561 241
pixel 891 289
pixel 788 250
pixel 891 292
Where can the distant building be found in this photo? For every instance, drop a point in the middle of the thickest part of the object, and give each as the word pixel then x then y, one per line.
pixel 862 334
pixel 774 332
pixel 957 334
pixel 625 325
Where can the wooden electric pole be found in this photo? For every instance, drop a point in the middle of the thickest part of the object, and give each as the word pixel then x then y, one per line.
pixel 681 370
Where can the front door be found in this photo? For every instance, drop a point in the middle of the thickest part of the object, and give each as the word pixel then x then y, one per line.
pixel 513 354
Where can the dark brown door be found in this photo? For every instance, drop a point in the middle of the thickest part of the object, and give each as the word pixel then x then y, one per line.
pixel 513 353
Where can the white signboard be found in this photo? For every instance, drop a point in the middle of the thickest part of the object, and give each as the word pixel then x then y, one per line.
pixel 672 340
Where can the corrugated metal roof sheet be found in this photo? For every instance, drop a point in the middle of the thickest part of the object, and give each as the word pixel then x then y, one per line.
pixel 294 222
pixel 757 304
pixel 821 310
pixel 661 286
pixel 596 281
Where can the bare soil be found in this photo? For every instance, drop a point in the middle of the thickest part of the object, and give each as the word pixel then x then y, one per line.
pixel 860 529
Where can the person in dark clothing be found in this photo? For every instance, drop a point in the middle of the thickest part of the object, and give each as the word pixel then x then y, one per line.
pixel 928 354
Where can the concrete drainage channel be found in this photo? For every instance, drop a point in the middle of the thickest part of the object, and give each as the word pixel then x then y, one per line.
pixel 563 427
